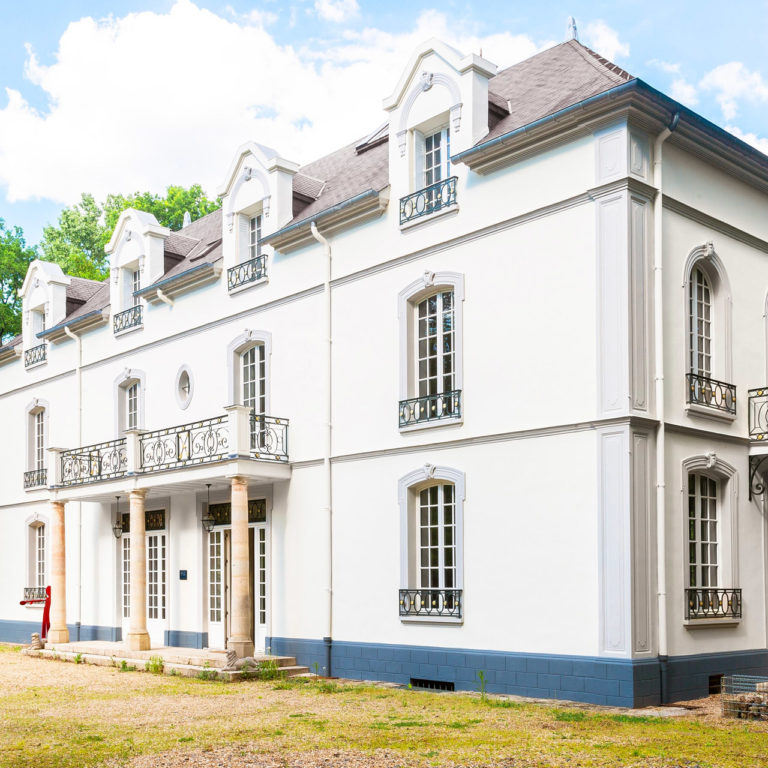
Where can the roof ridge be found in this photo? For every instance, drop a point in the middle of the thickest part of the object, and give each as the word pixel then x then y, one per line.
pixel 597 61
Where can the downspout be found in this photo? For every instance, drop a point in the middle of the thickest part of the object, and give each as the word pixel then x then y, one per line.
pixel 328 508
pixel 164 298
pixel 658 328
pixel 79 377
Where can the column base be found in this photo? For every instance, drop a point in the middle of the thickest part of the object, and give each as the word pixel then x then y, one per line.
pixel 241 646
pixel 137 641
pixel 57 636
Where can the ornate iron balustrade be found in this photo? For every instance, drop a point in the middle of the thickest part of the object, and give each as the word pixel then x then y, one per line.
pixel 38 354
pixel 34 593
pixel 130 318
pixel 35 478
pixel 428 200
pixel 446 405
pixel 102 461
pixel 430 602
pixel 758 414
pixel 197 443
pixel 250 271
pixel 712 393
pixel 712 602
pixel 269 437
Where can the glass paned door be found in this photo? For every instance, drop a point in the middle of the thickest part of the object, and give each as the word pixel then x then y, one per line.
pixel 156 588
pixel 218 592
pixel 125 560
pixel 261 594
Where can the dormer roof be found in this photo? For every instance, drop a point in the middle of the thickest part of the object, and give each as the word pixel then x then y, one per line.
pixel 48 271
pixel 145 223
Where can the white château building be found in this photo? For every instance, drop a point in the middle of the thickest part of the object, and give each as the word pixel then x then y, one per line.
pixel 477 392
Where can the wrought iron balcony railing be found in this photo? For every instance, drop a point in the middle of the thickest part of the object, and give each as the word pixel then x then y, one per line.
pixel 102 461
pixel 711 393
pixel 34 593
pixel 130 318
pixel 446 405
pixel 758 413
pixel 197 443
pixel 431 602
pixel 269 437
pixel 34 355
pixel 250 271
pixel 36 478
pixel 712 602
pixel 428 200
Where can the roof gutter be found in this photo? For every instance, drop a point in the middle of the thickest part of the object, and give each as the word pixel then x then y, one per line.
pixel 323 214
pixel 70 324
pixel 209 265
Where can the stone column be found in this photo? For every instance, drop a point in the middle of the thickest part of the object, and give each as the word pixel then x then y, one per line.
pixel 240 639
pixel 138 637
pixel 58 633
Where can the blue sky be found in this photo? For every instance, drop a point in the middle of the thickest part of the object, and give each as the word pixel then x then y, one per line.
pixel 121 95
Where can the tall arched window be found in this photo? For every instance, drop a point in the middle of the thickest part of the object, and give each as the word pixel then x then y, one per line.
pixel 37 444
pixel 254 392
pixel 129 400
pixel 700 316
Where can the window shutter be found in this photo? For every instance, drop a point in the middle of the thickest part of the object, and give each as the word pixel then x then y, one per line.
pixel 242 238
pixel 418 160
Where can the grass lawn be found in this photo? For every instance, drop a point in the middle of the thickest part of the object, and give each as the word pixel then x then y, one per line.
pixel 56 715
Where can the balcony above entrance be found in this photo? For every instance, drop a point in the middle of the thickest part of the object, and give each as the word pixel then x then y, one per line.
pixel 254 441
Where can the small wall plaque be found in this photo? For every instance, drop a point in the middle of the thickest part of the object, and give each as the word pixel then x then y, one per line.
pixel 183 575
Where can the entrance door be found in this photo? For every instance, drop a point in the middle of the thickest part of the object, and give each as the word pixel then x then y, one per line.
pixel 156 588
pixel 259 583
pixel 125 560
pixel 218 588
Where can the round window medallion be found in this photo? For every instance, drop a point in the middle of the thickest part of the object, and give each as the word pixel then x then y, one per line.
pixel 184 387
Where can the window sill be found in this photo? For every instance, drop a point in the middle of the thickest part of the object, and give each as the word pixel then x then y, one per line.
pixel 695 409
pixel 449 209
pixel 245 286
pixel 431 620
pixel 706 623
pixel 125 331
pixel 431 424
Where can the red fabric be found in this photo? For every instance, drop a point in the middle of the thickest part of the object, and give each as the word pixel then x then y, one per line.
pixel 46 614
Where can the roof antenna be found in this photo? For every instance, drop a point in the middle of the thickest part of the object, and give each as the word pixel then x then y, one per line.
pixel 187 219
pixel 573 33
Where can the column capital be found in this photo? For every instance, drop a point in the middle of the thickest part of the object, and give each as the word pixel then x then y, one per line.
pixel 137 493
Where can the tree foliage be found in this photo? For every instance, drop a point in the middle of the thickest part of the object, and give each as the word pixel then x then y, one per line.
pixel 77 242
pixel 15 256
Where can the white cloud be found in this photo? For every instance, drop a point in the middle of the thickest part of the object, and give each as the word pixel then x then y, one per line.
pixel 151 99
pixel 753 139
pixel 336 10
pixel 665 66
pixel 732 83
pixel 684 92
pixel 604 40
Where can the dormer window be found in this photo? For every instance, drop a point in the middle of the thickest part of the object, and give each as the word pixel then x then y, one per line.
pixel 254 237
pixel 434 187
pixel 131 317
pixel 251 264
pixel 136 285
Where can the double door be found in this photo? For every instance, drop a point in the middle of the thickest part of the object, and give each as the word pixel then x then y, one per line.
pixel 219 585
pixel 157 585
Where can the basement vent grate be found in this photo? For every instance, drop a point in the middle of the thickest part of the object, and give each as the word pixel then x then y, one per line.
pixel 431 685
pixel 715 684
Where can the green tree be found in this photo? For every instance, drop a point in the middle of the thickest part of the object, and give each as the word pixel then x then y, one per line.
pixel 168 209
pixel 15 256
pixel 77 243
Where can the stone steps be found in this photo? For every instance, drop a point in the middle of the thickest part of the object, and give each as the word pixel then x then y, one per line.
pixel 203 665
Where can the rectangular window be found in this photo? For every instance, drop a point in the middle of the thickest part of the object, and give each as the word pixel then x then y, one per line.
pixel 254 237
pixel 700 311
pixel 216 574
pixel 437 538
pixel 437 152
pixel 40 556
pixel 135 286
pixel 156 576
pixel 132 406
pixel 40 440
pixel 436 344
pixel 254 389
pixel 126 577
pixel 262 534
pixel 703 521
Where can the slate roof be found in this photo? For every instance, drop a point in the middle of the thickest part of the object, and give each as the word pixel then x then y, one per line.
pixel 551 80
pixel 81 289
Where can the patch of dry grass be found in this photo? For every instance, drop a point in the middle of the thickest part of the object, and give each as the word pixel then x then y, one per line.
pixel 61 715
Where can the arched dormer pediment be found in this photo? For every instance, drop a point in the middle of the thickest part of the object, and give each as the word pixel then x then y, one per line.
pixel 43 299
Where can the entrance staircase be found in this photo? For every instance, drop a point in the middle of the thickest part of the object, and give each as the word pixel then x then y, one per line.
pixel 185 662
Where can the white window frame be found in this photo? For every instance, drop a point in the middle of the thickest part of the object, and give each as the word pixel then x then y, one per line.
pixel 136 286
pixel 706 259
pixel 35 407
pixel 122 384
pixel 409 488
pixel 254 236
pixel 704 549
pixel 407 308
pixel 235 350
pixel 423 168
pixel 726 476
pixel 31 526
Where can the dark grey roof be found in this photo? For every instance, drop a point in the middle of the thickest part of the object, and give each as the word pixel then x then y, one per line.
pixel 98 300
pixel 558 77
pixel 80 289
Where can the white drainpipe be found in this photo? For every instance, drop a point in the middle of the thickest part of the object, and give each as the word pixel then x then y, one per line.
pixel 328 508
pixel 658 326
pixel 79 376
